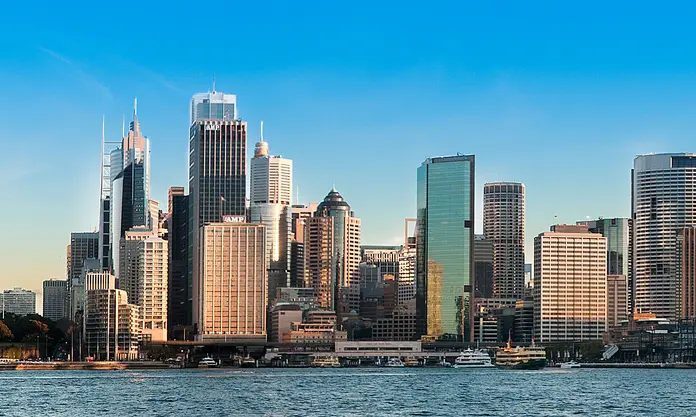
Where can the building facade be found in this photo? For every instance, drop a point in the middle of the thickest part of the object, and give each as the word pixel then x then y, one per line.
pixel 217 183
pixel 445 246
pixel 483 267
pixel 570 285
pixel 56 299
pixel 332 254
pixel 503 225
pixel 299 213
pixel 213 106
pixel 111 326
pixel 233 283
pixel 617 301
pixel 686 272
pixel 180 285
pixel 663 198
pixel 84 245
pixel 18 301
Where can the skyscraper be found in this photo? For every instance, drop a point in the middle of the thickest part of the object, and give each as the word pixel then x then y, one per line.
pixel 232 292
pixel 445 246
pixel 180 285
pixel 663 201
pixel 270 199
pixel 332 254
pixel 483 267
pixel 217 181
pixel 686 272
pixel 56 300
pixel 570 284
pixel 18 301
pixel 300 214
pixel 83 246
pixel 130 188
pixel 503 225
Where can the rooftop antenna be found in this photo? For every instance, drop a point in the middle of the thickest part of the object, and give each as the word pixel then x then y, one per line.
pixel 123 125
pixel 261 130
pixel 297 196
pixel 135 107
pixel 334 186
pixel 213 82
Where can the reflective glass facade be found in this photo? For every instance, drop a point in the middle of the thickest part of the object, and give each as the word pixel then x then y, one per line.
pixel 445 236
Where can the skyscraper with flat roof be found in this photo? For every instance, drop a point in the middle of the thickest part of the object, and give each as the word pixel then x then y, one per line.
pixel 56 299
pixel 503 226
pixel 213 105
pixel 83 246
pixel 180 284
pixel 445 246
pixel 663 201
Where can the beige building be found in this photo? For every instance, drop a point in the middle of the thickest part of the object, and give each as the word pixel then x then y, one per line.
pixel 570 285
pixel 617 301
pixel 282 318
pixel 319 328
pixel 233 286
pixel 144 275
pixel 112 325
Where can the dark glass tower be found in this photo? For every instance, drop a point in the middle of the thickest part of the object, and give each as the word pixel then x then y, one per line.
pixel 180 286
pixel 217 180
pixel 445 246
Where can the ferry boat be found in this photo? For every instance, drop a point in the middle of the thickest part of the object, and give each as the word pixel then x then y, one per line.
pixel 326 362
pixel 570 365
pixel 473 359
pixel 533 357
pixel 247 362
pixel 412 363
pixel 207 362
pixel 394 363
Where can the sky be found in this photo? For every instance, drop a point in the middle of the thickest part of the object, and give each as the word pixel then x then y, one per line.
pixel 560 96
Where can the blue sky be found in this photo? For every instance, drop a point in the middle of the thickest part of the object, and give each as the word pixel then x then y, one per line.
pixel 558 96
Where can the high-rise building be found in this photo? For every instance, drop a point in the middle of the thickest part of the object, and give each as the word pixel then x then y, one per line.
pixel 83 246
pixel 270 199
pixel 300 214
pixel 56 299
pixel 130 189
pixel 483 267
pixel 617 301
pixel 570 284
pixel 503 225
pixel 213 106
pixel 111 326
pixel 445 246
pixel 617 232
pixel 686 272
pixel 145 278
pixel 18 301
pixel 232 293
pixel 663 200
pixel 332 254
pixel 180 284
pixel 217 182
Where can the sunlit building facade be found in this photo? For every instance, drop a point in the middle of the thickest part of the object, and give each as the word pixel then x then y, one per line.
pixel 445 246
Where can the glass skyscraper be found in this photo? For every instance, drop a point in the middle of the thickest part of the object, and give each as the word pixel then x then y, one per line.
pixel 445 246
pixel 213 106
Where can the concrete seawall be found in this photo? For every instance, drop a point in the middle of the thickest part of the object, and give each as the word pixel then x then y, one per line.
pixel 81 366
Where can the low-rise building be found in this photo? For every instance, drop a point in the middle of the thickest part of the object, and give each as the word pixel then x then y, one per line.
pixel 18 301
pixel 398 326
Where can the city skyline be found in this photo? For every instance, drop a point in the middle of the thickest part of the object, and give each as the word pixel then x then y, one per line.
pixel 536 115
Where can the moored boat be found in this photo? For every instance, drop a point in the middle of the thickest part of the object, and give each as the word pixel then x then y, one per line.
pixel 570 365
pixel 412 363
pixel 207 362
pixel 326 362
pixel 473 359
pixel 394 363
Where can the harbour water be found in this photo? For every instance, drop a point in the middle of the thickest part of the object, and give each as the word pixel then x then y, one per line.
pixel 350 392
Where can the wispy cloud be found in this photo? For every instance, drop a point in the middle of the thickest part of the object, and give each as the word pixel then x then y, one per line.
pixel 83 76
pixel 154 76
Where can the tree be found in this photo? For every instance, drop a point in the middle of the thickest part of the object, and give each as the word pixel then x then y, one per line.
pixel 5 332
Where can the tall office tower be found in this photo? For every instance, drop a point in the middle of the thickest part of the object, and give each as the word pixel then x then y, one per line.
pixel 300 214
pixel 67 262
pixel 213 106
pixel 617 301
pixel 130 189
pixel 663 200
pixel 18 301
pixel 144 275
pixel 407 268
pixel 410 227
pixel 111 325
pixel 445 246
pixel 180 285
pixel 56 300
pixel 379 274
pixel 332 254
pixel 217 181
pixel 232 295
pixel 270 199
pixel 570 284
pixel 686 272
pixel 616 231
pixel 503 225
pixel 83 246
pixel 483 267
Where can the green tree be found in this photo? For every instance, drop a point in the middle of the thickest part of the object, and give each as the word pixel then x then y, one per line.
pixel 5 332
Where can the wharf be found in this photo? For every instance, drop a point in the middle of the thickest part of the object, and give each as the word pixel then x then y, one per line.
pixel 80 366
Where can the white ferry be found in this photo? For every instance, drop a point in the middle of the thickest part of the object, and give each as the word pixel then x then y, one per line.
pixel 395 363
pixel 207 362
pixel 473 359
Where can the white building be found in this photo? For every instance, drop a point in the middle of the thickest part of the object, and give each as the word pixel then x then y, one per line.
pixel 233 290
pixel 663 201
pixel 570 285
pixel 111 325
pixel 18 301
